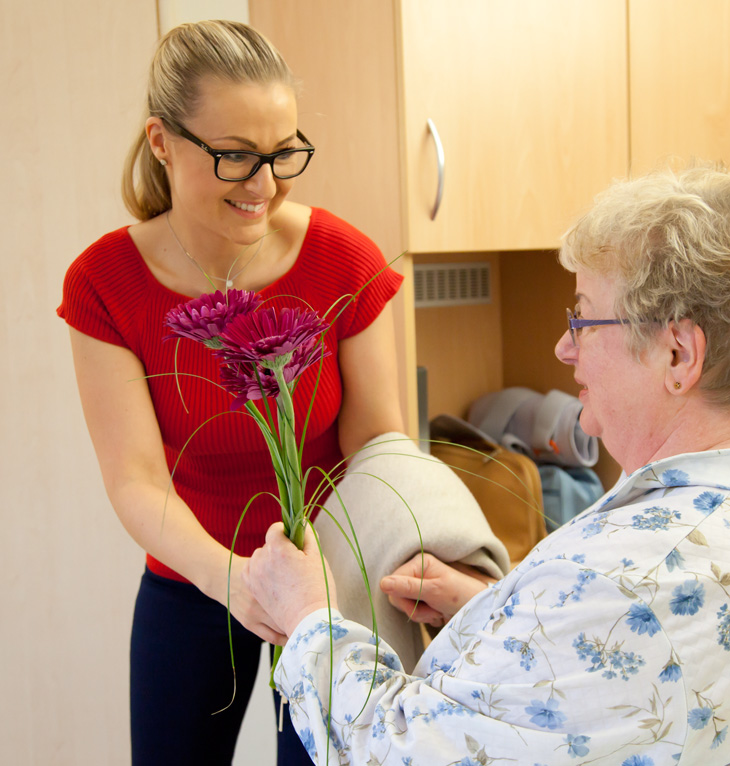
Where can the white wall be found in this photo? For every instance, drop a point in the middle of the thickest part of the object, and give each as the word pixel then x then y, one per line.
pixel 72 83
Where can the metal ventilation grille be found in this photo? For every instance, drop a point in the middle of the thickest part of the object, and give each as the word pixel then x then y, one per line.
pixel 451 284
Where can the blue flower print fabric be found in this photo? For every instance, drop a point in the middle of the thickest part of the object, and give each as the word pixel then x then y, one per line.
pixel 608 645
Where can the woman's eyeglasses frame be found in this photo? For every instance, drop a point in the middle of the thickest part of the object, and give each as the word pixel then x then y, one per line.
pixel 575 324
pixel 262 159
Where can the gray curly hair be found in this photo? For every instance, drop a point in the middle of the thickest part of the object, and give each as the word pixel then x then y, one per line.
pixel 665 237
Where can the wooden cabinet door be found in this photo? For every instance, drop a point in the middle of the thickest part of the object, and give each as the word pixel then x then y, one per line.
pixel 344 54
pixel 680 81
pixel 530 100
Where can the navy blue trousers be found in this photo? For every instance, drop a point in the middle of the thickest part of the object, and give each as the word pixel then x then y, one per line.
pixel 180 674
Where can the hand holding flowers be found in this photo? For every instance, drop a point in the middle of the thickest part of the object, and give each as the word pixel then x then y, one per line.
pixel 245 607
pixel 289 583
pixel 262 355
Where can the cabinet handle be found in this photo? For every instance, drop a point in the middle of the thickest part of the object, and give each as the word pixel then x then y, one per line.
pixel 440 161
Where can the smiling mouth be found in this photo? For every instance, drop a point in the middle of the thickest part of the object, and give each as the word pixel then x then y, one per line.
pixel 245 206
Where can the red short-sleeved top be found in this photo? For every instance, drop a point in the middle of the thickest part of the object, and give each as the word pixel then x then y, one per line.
pixel 110 294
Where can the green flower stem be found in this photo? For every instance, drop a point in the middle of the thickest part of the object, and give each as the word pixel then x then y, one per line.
pixel 274 661
pixel 275 450
pixel 294 509
pixel 291 492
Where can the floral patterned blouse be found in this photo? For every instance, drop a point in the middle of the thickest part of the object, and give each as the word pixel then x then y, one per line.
pixel 608 644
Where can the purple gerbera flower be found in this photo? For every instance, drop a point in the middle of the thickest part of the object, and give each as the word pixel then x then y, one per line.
pixel 204 319
pixel 268 334
pixel 254 346
pixel 248 380
pixel 241 381
pixel 254 380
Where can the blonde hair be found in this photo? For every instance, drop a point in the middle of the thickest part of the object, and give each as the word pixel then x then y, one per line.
pixel 665 237
pixel 227 50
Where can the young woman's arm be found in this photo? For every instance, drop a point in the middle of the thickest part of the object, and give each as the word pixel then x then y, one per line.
pixel 121 420
pixel 370 404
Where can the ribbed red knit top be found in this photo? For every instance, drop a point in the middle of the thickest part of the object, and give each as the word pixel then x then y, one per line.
pixel 110 294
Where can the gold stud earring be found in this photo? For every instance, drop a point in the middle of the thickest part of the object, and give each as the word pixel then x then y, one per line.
pixel 677 385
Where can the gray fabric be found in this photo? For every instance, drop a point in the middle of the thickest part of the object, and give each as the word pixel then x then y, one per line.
pixel 544 427
pixel 387 473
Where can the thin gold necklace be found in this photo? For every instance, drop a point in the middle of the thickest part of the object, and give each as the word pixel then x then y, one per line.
pixel 227 280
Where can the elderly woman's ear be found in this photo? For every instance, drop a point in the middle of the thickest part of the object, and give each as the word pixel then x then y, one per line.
pixel 686 343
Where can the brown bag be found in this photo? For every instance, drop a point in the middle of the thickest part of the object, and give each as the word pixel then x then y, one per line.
pixel 506 484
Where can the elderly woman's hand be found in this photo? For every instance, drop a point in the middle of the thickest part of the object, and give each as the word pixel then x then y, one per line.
pixel 289 583
pixel 429 591
pixel 246 609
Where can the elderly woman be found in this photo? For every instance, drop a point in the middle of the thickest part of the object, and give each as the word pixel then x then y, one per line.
pixel 610 642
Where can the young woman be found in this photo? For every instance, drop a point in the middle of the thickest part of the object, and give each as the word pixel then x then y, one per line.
pixel 208 180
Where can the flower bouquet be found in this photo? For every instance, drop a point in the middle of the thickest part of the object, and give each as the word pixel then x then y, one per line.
pixel 262 354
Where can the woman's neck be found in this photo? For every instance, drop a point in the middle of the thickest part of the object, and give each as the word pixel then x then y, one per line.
pixel 698 427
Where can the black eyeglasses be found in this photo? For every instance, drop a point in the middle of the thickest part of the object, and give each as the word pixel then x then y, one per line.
pixel 237 165
pixel 576 324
